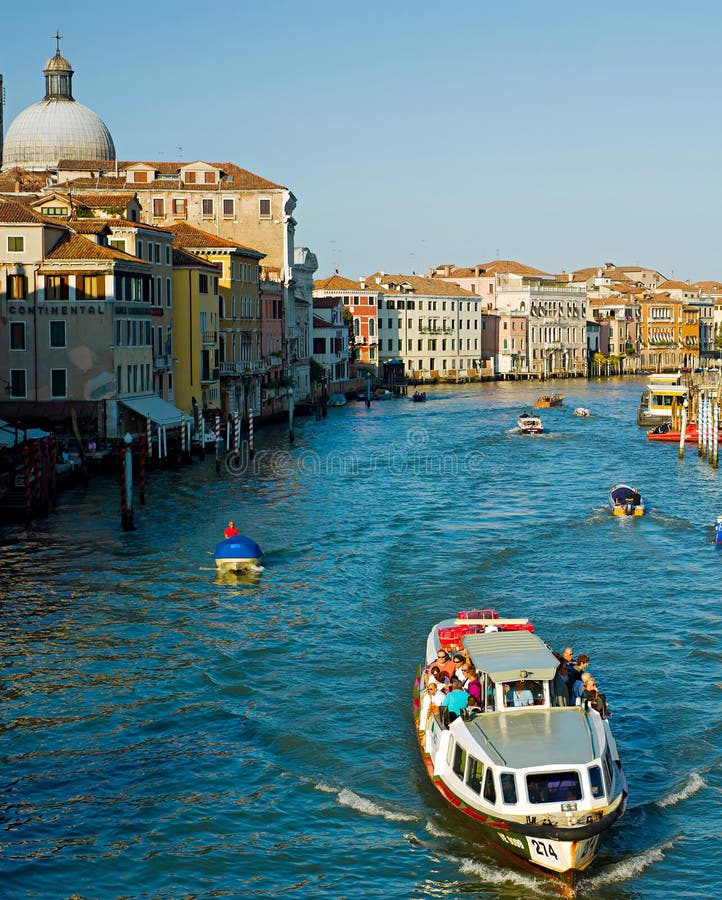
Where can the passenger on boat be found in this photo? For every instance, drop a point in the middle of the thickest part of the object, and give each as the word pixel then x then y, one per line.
pixel 436 696
pixel 231 530
pixel 456 700
pixel 459 661
pixel 520 695
pixel 445 663
pixel 472 709
pixel 434 675
pixel 470 681
pixel 597 701
pixel 560 688
pixel 579 687
pixel 574 673
pixel 568 656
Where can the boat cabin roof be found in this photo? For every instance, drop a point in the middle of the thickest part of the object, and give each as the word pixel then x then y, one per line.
pixel 560 736
pixel 504 655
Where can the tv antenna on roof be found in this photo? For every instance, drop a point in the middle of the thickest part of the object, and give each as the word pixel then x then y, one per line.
pixel 180 152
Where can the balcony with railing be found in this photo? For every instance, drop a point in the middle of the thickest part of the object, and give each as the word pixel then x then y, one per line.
pixel 209 337
pixel 162 363
pixel 208 376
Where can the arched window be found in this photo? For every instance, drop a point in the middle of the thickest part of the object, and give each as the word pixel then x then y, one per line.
pixel 372 327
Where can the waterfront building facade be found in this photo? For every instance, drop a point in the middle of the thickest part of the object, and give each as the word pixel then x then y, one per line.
pixel 330 340
pixel 433 325
pixel 240 360
pixel 78 319
pixel 362 304
pixel 195 331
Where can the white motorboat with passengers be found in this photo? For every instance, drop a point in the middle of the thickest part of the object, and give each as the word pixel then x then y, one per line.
pixel 541 780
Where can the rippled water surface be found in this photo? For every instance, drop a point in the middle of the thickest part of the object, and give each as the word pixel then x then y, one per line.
pixel 167 733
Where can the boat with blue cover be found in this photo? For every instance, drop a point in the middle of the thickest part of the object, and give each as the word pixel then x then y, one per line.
pixel 237 553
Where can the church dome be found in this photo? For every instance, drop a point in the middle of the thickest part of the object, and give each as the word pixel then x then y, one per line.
pixel 58 127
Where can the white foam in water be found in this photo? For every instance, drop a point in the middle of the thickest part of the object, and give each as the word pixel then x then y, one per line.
pixel 437 832
pixel 627 868
pixel 500 875
pixel 349 798
pixel 694 783
pixel 325 788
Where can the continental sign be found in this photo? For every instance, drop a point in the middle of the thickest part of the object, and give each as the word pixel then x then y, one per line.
pixel 85 309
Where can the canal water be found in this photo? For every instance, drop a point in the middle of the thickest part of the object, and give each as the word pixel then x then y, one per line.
pixel 167 733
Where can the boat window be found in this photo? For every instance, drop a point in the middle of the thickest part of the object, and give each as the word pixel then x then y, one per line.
pixel 553 787
pixel 475 774
pixel 489 789
pixel 508 787
pixel 459 763
pixel 595 779
pixel 608 774
pixel 523 693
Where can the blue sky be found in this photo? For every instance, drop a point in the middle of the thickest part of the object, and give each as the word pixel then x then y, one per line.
pixel 559 134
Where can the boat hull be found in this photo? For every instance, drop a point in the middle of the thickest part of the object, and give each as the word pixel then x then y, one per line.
pixel 237 565
pixel 673 437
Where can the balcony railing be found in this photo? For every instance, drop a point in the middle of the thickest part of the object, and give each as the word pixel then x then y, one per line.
pixel 209 337
pixel 162 363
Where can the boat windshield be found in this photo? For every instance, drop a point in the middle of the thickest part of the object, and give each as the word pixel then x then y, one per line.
pixel 553 787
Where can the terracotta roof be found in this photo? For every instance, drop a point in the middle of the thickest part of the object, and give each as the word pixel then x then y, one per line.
pixel 96 201
pixel 17 213
pixel 88 226
pixel 712 287
pixel 419 285
pixel 16 178
pixel 338 283
pixel 234 176
pixel 326 302
pixel 75 246
pixel 185 260
pixel 504 266
pixel 671 285
pixel 196 239
pixel 318 322
pixel 128 223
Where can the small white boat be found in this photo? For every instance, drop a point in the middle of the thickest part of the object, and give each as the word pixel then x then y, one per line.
pixel 543 781
pixel 337 400
pixel 530 424
pixel 582 411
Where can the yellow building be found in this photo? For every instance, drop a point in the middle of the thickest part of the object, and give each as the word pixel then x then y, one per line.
pixel 194 343
pixel 241 362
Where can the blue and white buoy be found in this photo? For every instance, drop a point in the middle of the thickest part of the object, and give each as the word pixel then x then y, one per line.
pixel 237 553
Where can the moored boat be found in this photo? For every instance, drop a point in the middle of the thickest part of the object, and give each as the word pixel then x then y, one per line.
pixel 548 400
pixel 237 554
pixel 529 424
pixel 664 393
pixel 665 434
pixel 337 400
pixel 382 394
pixel 544 782
pixel 625 501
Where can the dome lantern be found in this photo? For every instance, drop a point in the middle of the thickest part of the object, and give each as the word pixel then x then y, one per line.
pixel 58 78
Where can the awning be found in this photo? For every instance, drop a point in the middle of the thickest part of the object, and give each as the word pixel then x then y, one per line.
pixel 10 436
pixel 154 408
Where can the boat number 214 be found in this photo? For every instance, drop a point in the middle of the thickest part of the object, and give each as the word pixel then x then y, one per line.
pixel 543 849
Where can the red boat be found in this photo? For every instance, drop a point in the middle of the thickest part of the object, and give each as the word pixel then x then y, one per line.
pixel 665 434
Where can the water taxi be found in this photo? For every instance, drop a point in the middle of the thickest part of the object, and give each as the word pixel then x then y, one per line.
pixel 544 782
pixel 663 394
pixel 529 424
pixel 548 400
pixel 625 501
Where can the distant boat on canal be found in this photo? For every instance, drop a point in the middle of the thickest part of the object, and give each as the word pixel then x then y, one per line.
pixel 625 501
pixel 529 424
pixel 237 554
pixel 548 400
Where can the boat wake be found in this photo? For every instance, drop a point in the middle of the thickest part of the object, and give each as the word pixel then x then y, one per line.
pixel 347 797
pixel 625 869
pixel 695 783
